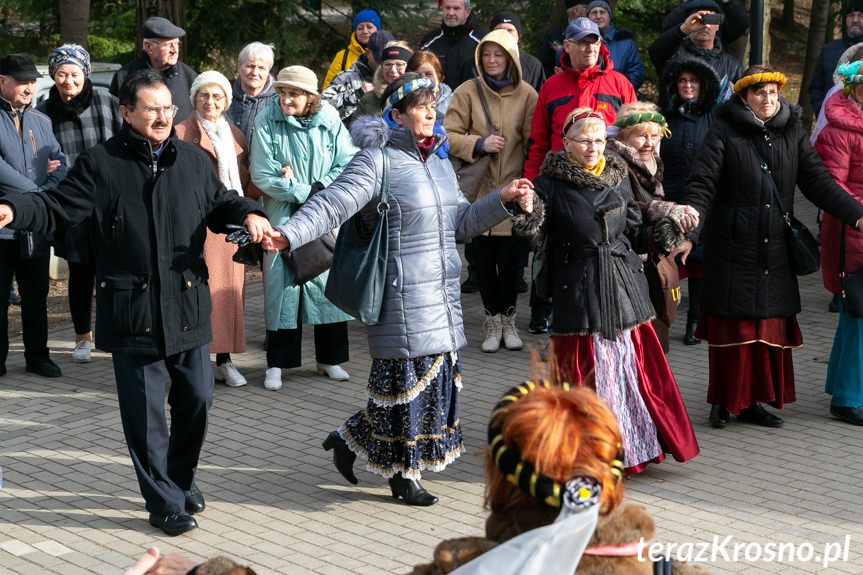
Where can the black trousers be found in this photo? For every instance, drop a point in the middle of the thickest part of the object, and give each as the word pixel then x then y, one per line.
pixel 165 461
pixel 284 346
pixel 32 276
pixel 497 260
pixel 82 278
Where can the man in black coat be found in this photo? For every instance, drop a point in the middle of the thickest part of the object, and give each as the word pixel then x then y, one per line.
pixel 695 39
pixel 150 198
pixel 162 53
pixel 852 33
pixel 455 42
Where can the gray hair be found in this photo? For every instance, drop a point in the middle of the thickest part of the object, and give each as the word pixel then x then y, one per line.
pixel 257 51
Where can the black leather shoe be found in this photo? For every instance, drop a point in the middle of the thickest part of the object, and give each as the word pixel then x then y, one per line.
pixel 173 524
pixel 470 285
pixel 538 323
pixel 689 336
pixel 718 416
pixel 833 306
pixel 343 457
pixel 45 368
pixel 411 491
pixel 759 416
pixel 194 500
pixel 853 415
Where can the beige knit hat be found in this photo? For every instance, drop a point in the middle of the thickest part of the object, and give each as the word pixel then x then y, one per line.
pixel 207 78
pixel 298 77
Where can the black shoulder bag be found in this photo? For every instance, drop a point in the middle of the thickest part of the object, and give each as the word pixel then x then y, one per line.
pixel 801 242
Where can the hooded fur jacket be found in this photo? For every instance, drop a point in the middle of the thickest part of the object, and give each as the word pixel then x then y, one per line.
pixel 626 524
pixel 421 312
pixel 590 224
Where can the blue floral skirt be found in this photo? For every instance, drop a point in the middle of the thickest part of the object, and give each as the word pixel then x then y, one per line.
pixel 411 422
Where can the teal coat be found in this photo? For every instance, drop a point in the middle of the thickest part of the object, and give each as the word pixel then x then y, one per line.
pixel 318 153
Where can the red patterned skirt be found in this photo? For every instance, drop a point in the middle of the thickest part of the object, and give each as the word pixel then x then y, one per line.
pixel 750 360
pixel 575 360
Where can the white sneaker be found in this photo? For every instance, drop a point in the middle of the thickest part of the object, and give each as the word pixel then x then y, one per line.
pixel 334 372
pixel 273 379
pixel 493 329
pixel 228 373
pixel 511 340
pixel 81 354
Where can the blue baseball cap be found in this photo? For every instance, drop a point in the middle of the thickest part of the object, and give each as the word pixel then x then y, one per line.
pixel 581 27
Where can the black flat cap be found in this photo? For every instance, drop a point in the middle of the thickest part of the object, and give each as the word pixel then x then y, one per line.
pixel 19 66
pixel 157 27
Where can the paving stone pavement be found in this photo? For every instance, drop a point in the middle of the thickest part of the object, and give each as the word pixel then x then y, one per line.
pixel 69 502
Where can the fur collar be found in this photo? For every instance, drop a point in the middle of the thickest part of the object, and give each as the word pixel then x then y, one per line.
pixel 557 165
pixel 669 98
pixel 638 169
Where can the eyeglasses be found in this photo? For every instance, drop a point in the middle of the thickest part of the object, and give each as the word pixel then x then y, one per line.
pixel 598 142
pixel 152 112
pixel 214 97
pixel 687 82
pixel 400 66
pixel 766 94
pixel 167 46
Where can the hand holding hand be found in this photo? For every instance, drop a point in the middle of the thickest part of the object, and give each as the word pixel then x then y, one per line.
pixel 287 172
pixel 683 250
pixel 493 144
pixel 51 166
pixel 258 226
pixel 516 189
pixel 368 86
pixel 274 241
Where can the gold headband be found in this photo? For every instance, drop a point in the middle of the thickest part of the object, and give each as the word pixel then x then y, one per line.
pixel 762 78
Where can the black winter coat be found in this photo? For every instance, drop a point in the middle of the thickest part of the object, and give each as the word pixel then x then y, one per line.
pixel 687 121
pixel 148 223
pixel 455 48
pixel 577 212
pixel 747 267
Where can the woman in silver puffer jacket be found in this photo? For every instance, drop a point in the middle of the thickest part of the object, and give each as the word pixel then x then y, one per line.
pixel 411 420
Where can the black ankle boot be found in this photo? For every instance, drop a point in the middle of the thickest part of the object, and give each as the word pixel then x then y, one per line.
pixel 343 457
pixel 689 336
pixel 718 416
pixel 411 491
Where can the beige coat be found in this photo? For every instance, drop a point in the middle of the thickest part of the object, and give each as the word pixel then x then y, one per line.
pixel 511 112
pixel 227 279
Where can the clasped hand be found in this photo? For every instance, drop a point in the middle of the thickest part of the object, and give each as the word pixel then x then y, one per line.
pixel 520 189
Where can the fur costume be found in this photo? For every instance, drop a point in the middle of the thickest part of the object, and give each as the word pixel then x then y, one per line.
pixel 626 524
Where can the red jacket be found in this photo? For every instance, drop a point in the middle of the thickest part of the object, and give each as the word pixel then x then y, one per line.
pixel 840 145
pixel 600 88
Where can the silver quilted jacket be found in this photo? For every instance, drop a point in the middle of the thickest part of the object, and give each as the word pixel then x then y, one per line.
pixel 421 312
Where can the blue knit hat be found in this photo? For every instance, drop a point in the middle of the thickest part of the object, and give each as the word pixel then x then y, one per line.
pixel 367 15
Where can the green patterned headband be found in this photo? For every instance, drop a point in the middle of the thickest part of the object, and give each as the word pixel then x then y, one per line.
pixel 642 117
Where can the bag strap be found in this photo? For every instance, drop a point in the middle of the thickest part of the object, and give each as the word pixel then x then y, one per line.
pixel 842 253
pixel 383 206
pixel 766 169
pixel 484 104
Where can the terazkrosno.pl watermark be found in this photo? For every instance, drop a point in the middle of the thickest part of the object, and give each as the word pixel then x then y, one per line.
pixel 727 549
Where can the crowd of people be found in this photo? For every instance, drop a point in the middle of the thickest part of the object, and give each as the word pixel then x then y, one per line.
pixel 467 138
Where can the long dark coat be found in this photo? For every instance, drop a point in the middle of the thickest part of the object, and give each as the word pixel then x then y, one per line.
pixel 747 265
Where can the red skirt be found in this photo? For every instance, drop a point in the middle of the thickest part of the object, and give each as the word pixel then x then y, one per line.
pixel 574 360
pixel 750 360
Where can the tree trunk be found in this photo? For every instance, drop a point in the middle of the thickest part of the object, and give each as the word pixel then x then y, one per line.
pixel 817 27
pixel 74 21
pixel 788 15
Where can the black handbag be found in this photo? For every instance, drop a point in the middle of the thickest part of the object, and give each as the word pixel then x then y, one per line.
pixel 471 175
pixel 32 245
pixel 801 243
pixel 359 271
pixel 852 284
pixel 312 259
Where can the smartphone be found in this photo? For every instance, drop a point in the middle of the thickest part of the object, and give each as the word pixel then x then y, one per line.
pixel 712 19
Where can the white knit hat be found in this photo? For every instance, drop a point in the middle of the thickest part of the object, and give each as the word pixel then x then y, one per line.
pixel 207 78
